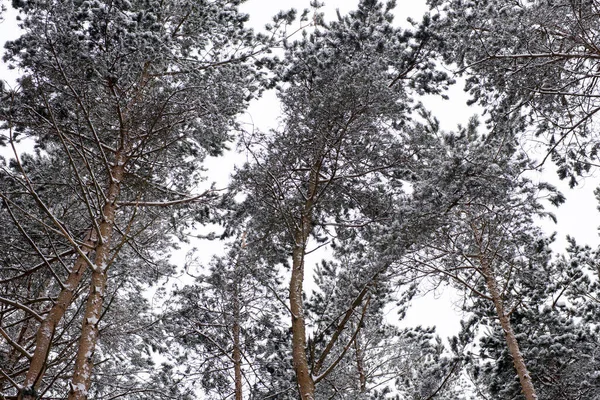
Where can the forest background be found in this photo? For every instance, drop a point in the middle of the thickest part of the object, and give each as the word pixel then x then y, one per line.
pixel 95 304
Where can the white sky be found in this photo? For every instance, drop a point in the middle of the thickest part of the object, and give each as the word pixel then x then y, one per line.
pixel 578 218
pixel 8 31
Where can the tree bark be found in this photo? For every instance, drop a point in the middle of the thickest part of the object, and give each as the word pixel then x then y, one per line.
pixel 360 368
pixel 82 373
pixel 511 340
pixel 306 384
pixel 237 352
pixel 45 332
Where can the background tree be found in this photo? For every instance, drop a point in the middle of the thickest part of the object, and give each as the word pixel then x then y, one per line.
pixel 372 358
pixel 228 325
pixel 489 245
pixel 560 345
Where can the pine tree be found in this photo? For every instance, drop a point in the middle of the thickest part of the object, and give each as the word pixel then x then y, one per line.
pixel 372 358
pixel 340 158
pixel 489 244
pixel 228 328
pixel 123 100
pixel 558 342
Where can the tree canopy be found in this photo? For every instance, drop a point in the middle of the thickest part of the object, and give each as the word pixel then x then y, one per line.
pixel 354 205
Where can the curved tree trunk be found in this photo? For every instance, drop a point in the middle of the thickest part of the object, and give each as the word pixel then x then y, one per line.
pixel 511 340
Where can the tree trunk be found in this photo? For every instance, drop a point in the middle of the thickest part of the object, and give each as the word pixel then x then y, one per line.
pixel 89 335
pixel 45 332
pixel 306 383
pixel 237 352
pixel 360 368
pixel 509 334
pixel 82 373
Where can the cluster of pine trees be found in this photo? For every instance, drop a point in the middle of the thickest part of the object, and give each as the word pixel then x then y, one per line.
pixel 123 100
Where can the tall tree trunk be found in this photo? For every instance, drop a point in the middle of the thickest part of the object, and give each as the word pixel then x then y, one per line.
pixel 237 352
pixel 82 373
pixel 306 383
pixel 509 334
pixel 360 368
pixel 45 332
